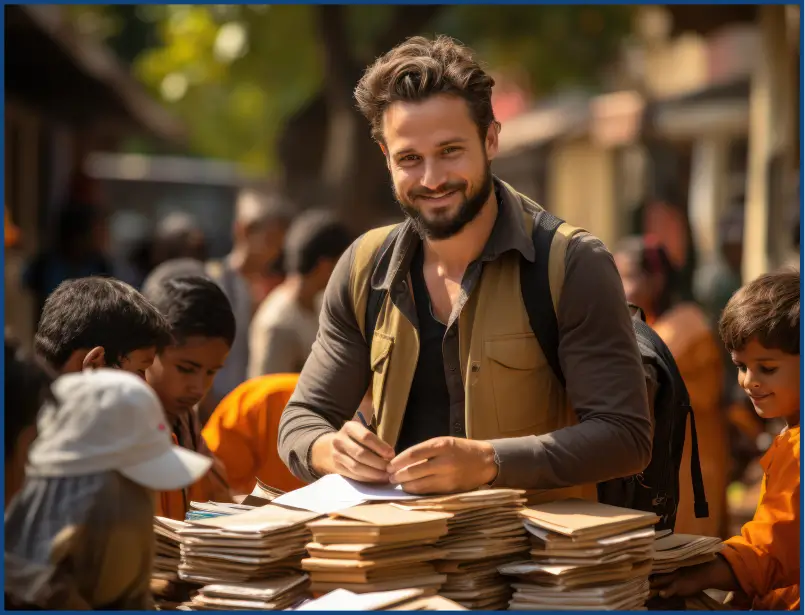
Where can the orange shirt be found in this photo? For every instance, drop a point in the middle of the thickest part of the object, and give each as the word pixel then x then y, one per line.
pixel 213 486
pixel 765 557
pixel 242 432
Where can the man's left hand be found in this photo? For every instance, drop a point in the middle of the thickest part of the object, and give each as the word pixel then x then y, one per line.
pixel 444 465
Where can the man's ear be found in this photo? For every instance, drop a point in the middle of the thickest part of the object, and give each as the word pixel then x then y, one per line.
pixel 491 142
pixel 95 359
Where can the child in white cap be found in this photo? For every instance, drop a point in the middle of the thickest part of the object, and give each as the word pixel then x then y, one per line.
pixel 79 534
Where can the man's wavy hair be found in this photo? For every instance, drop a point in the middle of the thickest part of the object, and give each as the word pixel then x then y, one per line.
pixel 420 68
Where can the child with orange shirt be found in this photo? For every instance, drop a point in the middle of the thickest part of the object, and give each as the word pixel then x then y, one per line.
pixel 202 326
pixel 760 327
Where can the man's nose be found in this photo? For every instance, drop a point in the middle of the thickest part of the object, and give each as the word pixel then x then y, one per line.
pixel 433 177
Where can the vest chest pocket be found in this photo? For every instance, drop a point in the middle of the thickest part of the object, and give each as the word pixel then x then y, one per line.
pixel 379 362
pixel 518 371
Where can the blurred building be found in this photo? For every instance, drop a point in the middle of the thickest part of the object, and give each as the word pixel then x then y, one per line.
pixel 152 187
pixel 708 113
pixel 65 96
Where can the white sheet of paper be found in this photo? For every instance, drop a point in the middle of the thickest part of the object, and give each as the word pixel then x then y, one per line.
pixel 345 600
pixel 333 492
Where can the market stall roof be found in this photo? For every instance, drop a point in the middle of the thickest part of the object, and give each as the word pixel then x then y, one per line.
pixel 73 78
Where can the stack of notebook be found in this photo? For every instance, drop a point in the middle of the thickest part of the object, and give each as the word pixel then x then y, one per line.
pixel 375 547
pixel 584 556
pixel 396 600
pixel 276 594
pixel 168 553
pixel 484 533
pixel 256 545
pixel 682 550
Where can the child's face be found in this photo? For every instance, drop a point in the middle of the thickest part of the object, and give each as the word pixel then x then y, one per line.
pixel 182 375
pixel 771 379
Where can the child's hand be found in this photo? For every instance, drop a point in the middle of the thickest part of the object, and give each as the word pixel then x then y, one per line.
pixel 690 581
pixel 682 583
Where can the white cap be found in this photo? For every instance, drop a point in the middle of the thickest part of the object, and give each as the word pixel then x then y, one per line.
pixel 111 420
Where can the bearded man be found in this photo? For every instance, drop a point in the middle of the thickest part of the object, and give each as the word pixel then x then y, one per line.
pixel 428 317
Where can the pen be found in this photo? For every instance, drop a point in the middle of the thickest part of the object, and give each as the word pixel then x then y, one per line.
pixel 363 420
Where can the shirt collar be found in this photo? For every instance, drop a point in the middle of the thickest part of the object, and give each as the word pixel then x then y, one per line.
pixel 508 233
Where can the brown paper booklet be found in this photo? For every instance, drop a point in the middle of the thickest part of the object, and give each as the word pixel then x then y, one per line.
pixel 361 552
pixel 373 575
pixel 486 498
pixel 406 556
pixel 429 603
pixel 585 520
pixel 379 524
pixel 428 583
pixel 270 594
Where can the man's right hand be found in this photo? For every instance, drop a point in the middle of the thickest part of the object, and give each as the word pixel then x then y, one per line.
pixel 353 452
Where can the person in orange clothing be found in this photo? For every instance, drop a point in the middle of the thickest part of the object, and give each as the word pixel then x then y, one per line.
pixel 760 327
pixel 242 433
pixel 203 327
pixel 649 282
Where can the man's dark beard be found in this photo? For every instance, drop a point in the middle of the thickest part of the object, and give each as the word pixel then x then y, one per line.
pixel 467 212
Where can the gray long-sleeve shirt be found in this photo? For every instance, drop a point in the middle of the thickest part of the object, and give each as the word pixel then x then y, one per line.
pixel 606 383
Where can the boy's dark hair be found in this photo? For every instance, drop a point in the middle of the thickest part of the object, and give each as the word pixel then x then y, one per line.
pixel 194 305
pixel 420 68
pixel 314 235
pixel 95 311
pixel 27 388
pixel 766 309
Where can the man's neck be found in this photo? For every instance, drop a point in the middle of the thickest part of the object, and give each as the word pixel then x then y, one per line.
pixel 453 255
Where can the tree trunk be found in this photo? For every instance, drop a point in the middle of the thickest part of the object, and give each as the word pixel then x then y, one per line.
pixel 329 157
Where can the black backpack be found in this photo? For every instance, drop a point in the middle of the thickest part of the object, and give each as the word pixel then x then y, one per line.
pixel 656 489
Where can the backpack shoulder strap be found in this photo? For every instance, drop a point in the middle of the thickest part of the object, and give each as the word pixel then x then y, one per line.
pixel 371 246
pixel 541 282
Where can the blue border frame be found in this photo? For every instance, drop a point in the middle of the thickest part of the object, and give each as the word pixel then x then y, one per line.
pixel 801 139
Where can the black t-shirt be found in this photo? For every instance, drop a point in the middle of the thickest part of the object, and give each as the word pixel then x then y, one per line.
pixel 427 414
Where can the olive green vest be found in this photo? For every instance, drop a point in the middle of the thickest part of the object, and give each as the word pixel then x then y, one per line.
pixel 510 389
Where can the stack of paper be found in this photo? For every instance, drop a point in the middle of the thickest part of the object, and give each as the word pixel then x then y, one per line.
pixel 259 544
pixel 274 594
pixel 345 600
pixel 584 556
pixel 261 495
pixel 375 547
pixel 208 510
pixel 429 603
pixel 397 600
pixel 168 554
pixel 484 533
pixel 333 492
pixel 682 550
pixel 703 601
